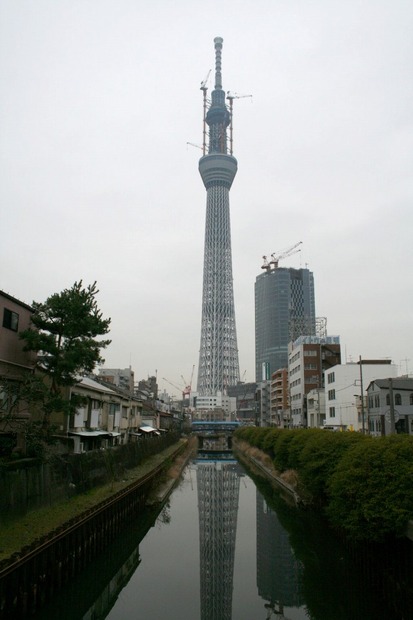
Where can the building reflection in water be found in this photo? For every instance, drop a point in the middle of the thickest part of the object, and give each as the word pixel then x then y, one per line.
pixel 218 482
pixel 279 573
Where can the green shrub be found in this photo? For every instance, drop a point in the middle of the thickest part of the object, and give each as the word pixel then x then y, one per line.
pixel 268 442
pixel 319 458
pixel 257 436
pixel 371 491
pixel 282 449
pixel 301 436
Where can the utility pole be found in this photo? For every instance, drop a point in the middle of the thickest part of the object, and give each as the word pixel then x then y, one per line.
pixel 392 417
pixel 363 429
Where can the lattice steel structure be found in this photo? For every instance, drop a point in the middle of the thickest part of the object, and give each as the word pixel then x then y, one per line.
pixel 218 356
pixel 218 496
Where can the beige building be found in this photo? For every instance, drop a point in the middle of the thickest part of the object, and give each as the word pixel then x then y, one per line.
pixel 279 396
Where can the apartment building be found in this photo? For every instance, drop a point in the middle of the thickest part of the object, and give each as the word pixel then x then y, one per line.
pixel 309 357
pixel 346 392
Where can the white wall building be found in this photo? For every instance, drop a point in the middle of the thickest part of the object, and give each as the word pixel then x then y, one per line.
pixel 316 408
pixel 217 403
pixel 308 357
pixel 387 417
pixel 343 391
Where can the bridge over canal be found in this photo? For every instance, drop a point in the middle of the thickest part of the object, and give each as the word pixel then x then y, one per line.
pixel 215 435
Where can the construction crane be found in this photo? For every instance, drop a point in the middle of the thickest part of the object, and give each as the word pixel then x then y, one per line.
pixel 276 257
pixel 198 146
pixel 180 389
pixel 204 89
pixel 231 97
pixel 188 386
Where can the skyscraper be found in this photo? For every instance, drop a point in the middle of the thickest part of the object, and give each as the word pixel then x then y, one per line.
pixel 218 356
pixel 284 310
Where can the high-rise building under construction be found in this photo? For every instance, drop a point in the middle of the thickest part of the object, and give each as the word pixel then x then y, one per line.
pixel 218 356
pixel 284 310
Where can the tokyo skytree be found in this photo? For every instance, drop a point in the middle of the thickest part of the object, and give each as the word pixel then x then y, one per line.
pixel 218 356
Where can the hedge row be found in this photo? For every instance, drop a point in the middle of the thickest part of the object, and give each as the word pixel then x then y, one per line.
pixel 363 484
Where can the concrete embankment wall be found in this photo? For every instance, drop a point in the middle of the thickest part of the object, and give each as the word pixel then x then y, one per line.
pixel 29 484
pixel 30 578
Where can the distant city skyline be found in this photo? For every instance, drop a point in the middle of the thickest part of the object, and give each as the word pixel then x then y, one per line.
pixel 98 182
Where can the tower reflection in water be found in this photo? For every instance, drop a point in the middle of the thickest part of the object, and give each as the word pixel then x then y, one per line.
pixel 218 482
pixel 279 573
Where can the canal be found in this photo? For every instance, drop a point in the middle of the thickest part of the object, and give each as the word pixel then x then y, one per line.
pixel 226 546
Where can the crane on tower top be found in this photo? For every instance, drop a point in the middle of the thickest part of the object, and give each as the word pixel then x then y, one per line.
pixel 204 82
pixel 231 97
pixel 204 89
pixel 276 257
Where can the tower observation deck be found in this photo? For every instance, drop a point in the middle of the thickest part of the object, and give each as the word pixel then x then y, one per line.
pixel 218 356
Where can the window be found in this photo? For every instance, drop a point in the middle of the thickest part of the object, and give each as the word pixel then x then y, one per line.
pixel 411 399
pixel 8 398
pixel 398 399
pixel 388 399
pixel 331 394
pixel 10 320
pixel 377 400
pixel 332 411
pixel 113 408
pixel 331 377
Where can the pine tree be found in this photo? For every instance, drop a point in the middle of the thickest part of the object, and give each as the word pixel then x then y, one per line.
pixel 64 335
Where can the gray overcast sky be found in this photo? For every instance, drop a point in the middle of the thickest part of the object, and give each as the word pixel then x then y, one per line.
pixel 99 99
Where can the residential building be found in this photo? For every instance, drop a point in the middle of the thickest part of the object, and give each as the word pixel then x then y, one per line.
pixel 121 377
pixel 244 393
pixel 109 416
pixel 390 406
pixel 279 396
pixel 346 390
pixel 284 310
pixel 147 388
pixel 316 408
pixel 263 397
pixel 218 407
pixel 15 364
pixel 15 317
pixel 309 357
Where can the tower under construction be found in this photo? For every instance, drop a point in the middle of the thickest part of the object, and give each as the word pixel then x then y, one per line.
pixel 218 356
